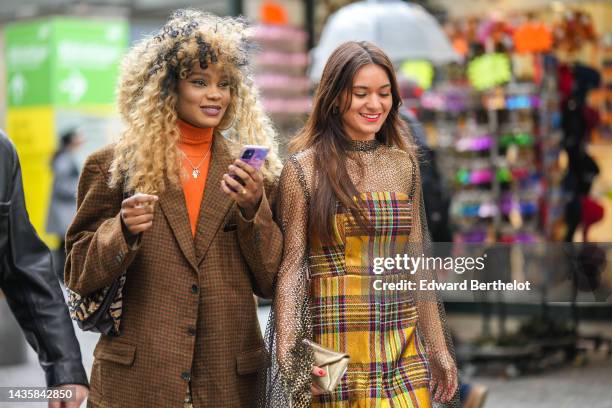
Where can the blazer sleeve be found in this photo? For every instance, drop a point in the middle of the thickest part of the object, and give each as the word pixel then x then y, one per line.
pixel 261 243
pixel 33 291
pixel 97 251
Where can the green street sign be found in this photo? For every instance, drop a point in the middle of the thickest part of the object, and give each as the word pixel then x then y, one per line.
pixel 87 57
pixel 64 62
pixel 28 63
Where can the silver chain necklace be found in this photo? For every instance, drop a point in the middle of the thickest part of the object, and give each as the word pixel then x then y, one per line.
pixel 196 169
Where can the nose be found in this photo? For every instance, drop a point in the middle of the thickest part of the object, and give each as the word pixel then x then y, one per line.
pixel 373 102
pixel 214 93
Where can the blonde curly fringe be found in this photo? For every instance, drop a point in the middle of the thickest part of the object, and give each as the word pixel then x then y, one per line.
pixel 255 127
pixel 146 152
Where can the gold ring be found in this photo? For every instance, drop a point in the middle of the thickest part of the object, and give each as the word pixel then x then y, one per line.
pixel 243 192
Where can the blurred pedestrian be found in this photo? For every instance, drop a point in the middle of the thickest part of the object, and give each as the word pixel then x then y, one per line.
pixel 351 195
pixel 435 198
pixel 196 242
pixel 63 197
pixel 31 288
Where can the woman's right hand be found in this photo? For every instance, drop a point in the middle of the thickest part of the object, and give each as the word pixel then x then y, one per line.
pixel 137 212
pixel 317 372
pixel 443 377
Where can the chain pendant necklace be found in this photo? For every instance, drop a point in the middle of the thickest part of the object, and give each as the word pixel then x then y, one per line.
pixel 195 173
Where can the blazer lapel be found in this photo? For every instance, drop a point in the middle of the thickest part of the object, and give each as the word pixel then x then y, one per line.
pixel 215 203
pixel 172 203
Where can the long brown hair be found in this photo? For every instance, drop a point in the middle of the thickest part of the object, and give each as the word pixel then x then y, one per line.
pixel 325 133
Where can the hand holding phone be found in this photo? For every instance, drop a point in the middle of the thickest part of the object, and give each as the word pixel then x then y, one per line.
pixel 254 156
pixel 244 182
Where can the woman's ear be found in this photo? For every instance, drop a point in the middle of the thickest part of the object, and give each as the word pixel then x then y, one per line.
pixel 338 105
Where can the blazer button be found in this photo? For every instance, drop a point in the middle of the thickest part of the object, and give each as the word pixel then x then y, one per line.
pixel 186 376
pixel 191 330
pixel 194 288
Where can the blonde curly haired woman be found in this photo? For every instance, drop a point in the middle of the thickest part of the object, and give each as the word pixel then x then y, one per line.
pixel 197 239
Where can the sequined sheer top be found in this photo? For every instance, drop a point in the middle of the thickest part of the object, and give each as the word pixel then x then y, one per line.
pixel 372 167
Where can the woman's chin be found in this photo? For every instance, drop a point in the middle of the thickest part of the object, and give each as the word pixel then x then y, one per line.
pixel 207 122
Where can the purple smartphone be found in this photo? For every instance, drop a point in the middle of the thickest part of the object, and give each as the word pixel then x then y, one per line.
pixel 254 156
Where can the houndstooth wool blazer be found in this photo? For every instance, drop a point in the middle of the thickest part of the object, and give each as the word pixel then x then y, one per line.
pixel 188 311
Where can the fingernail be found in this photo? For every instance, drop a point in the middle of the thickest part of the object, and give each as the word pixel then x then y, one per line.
pixel 321 373
pixel 231 167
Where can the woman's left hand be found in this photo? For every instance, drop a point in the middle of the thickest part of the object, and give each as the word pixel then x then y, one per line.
pixel 248 194
pixel 444 378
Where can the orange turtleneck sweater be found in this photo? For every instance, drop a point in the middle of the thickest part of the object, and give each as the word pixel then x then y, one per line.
pixel 195 143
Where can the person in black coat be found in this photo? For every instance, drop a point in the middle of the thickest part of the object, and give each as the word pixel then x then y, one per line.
pixel 435 198
pixel 31 288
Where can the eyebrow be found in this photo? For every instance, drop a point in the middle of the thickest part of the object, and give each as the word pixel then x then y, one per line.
pixel 207 75
pixel 365 87
pixel 200 73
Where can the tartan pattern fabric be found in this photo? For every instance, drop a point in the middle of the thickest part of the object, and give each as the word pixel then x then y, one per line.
pixel 188 311
pixel 378 329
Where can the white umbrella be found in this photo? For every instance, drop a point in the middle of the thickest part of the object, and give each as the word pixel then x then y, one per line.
pixel 404 31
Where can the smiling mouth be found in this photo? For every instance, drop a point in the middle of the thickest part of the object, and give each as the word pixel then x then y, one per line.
pixel 371 117
pixel 211 110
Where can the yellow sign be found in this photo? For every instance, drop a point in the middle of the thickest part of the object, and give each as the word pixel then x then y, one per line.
pixel 32 130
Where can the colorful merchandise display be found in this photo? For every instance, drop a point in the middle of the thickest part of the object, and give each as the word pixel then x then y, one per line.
pixel 512 120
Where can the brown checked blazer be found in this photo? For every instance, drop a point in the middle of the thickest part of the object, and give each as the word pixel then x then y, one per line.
pixel 188 308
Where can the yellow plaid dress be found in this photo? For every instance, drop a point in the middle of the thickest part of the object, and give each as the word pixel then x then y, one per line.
pixel 378 329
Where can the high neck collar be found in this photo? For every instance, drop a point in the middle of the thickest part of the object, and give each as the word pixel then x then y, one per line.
pixel 193 135
pixel 363 145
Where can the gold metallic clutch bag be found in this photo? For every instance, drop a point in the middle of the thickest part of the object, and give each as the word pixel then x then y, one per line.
pixel 335 365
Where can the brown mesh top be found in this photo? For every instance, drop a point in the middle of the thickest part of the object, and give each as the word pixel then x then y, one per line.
pixel 387 179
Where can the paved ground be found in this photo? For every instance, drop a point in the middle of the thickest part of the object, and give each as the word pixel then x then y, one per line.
pixel 567 387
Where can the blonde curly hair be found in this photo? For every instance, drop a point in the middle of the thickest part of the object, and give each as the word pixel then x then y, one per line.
pixel 147 151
